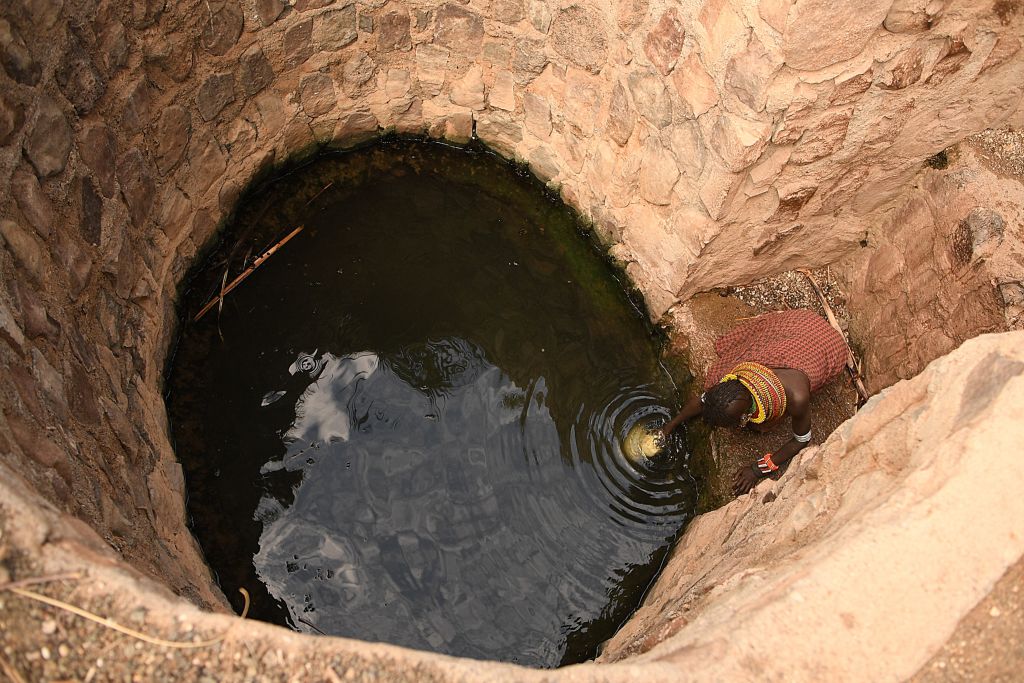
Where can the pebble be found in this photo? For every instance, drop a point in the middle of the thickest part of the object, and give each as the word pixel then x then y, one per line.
pixel 49 627
pixel 994 612
pixel 44 652
pixel 63 650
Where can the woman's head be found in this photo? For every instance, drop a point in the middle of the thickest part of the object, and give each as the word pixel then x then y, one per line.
pixel 726 403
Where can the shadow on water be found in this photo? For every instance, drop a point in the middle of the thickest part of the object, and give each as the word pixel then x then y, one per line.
pixel 407 426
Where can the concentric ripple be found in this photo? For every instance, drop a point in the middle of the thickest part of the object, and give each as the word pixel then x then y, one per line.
pixel 408 426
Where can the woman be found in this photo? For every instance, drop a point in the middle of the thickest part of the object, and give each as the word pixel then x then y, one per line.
pixel 767 369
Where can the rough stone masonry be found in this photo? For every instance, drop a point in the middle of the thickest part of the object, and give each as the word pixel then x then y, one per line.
pixel 709 142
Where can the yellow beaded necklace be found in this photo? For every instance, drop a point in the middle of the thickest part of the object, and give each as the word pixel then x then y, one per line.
pixel 765 387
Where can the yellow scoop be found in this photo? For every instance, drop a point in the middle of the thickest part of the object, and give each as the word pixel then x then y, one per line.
pixel 643 441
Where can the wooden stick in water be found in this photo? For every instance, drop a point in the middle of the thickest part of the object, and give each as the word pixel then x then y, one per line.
pixel 851 361
pixel 246 273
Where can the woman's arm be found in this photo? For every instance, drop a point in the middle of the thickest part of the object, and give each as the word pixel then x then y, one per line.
pixel 800 411
pixel 693 408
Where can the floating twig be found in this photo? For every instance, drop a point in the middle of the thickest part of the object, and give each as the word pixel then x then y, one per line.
pixel 852 364
pixel 322 190
pixel 246 273
pixel 113 625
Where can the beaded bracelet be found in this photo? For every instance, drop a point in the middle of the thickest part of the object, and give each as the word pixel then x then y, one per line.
pixel 765 465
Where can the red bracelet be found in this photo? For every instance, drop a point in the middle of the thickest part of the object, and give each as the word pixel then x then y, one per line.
pixel 765 464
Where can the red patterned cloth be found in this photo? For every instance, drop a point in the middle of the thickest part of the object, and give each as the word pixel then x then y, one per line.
pixel 798 339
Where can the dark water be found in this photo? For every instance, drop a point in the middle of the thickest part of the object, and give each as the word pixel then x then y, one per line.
pixel 406 426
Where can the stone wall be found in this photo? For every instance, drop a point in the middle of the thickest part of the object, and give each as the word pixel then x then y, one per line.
pixel 944 267
pixel 709 142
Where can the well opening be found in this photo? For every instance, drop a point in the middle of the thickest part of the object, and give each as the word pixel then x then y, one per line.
pixel 709 144
pixel 412 424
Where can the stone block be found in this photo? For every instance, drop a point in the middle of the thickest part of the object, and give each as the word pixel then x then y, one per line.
pixel 458 28
pixel 221 27
pixel 806 46
pixel 145 13
pixel 528 59
pixel 431 67
pixel 355 128
pixel 651 98
pixel 912 16
pixel 724 28
pixel 540 16
pixel 901 71
pixel 173 54
pixel 173 132
pixel 621 117
pixel 27 253
pixel 99 152
pixel 659 172
pixel 216 92
pixel 497 53
pixel 254 70
pixel 849 89
pixel 458 128
pixel 500 132
pixel 75 261
pixel 394 32
pixel 665 42
pixel 688 148
pixel 468 91
pixel 79 79
pixel 358 71
pixel 582 101
pixel 267 11
pixel 33 203
pixel 48 143
pixel 1005 48
pixel 695 86
pixel 12 117
pixel 824 137
pixel 137 113
pixel 43 14
pixel 114 47
pixel 543 163
pixel 398 84
pixel 81 396
pixel 580 35
pixel 738 141
pixel 508 11
pixel 750 72
pixel 335 29
pixel 537 115
pixel 90 224
pixel 768 168
pixel 10 331
pixel 33 442
pixel 15 56
pixel 297 43
pixel 37 321
pixel 774 13
pixel 791 200
pixel 316 94
pixel 137 186
pixel 207 163
pixel 502 93
pixel 718 186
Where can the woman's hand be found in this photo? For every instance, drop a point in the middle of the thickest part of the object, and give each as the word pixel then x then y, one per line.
pixel 744 479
